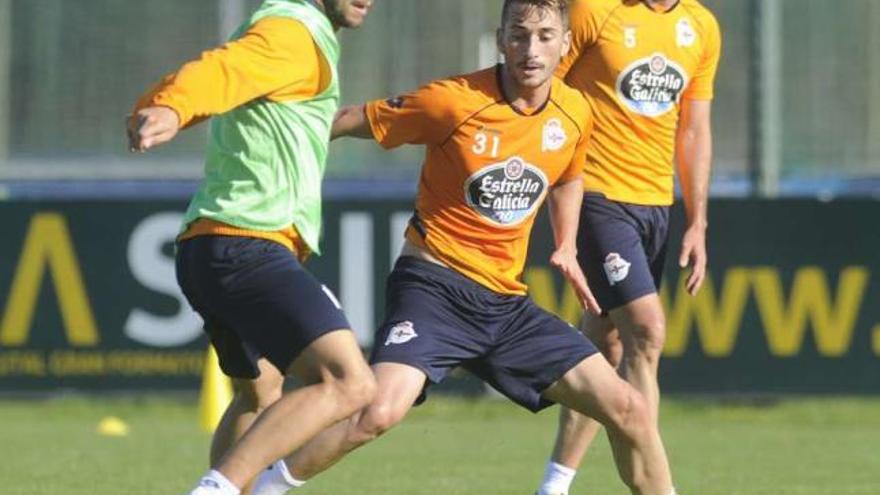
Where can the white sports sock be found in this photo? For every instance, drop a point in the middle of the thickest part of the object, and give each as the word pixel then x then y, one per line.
pixel 214 483
pixel 557 479
pixel 276 480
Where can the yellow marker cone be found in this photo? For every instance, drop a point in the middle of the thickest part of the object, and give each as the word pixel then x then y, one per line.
pixel 216 393
pixel 112 427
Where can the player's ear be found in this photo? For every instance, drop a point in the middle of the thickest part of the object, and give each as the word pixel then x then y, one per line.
pixel 499 39
pixel 566 42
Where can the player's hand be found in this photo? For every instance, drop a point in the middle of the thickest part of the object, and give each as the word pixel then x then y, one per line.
pixel 565 260
pixel 693 254
pixel 150 127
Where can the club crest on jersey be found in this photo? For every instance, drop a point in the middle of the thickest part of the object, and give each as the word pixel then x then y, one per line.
pixel 396 102
pixel 685 35
pixel 554 136
pixel 616 268
pixel 401 333
pixel 506 193
pixel 629 37
pixel 651 86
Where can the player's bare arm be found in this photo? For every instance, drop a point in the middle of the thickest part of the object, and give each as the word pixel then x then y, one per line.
pixel 351 121
pixel 149 127
pixel 564 204
pixel 694 152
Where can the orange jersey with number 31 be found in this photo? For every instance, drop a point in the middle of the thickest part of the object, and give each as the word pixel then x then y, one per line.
pixel 635 64
pixel 487 168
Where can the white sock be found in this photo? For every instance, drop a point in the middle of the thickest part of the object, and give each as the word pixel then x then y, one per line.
pixel 557 479
pixel 214 483
pixel 276 480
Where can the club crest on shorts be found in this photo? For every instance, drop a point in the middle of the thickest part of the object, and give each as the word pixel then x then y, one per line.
pixel 616 268
pixel 401 333
pixel 554 136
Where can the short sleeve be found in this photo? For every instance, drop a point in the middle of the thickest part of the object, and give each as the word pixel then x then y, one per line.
pixel 702 85
pixel 424 116
pixel 579 160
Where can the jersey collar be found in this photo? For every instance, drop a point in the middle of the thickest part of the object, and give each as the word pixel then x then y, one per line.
pixel 667 11
pixel 498 69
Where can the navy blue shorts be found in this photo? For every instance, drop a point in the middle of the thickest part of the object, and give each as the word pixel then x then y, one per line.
pixel 621 249
pixel 437 319
pixel 256 299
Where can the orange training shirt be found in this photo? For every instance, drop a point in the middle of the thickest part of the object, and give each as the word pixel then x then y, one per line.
pixel 487 168
pixel 635 64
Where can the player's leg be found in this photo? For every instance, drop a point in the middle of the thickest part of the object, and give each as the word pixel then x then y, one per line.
pixel 621 250
pixel 576 431
pixel 244 289
pixel 250 398
pixel 538 359
pixel 428 330
pixel 593 388
pixel 398 387
pixel 642 327
pixel 256 382
pixel 341 385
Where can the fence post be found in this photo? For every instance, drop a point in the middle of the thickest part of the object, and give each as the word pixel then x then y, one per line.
pixel 230 13
pixel 873 59
pixel 5 74
pixel 768 57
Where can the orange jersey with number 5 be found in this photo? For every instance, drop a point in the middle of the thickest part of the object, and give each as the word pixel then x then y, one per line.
pixel 635 64
pixel 487 168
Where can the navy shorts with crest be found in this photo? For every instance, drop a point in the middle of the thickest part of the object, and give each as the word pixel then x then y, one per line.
pixel 437 319
pixel 621 249
pixel 256 299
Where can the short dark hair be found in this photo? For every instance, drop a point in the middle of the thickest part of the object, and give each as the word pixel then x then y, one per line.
pixel 560 6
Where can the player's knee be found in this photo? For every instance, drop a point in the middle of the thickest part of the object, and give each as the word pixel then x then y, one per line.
pixel 354 390
pixel 630 416
pixel 377 419
pixel 649 337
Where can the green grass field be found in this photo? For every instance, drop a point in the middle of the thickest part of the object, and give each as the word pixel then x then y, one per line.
pixel 455 446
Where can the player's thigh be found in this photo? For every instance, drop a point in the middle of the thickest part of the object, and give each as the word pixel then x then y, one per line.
pixel 534 349
pixel 398 387
pixel 333 356
pixel 260 392
pixel 257 300
pixel 611 252
pixel 592 388
pixel 428 321
pixel 641 323
pixel 600 330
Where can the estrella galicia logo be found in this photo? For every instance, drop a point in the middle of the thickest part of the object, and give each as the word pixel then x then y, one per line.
pixel 506 193
pixel 651 86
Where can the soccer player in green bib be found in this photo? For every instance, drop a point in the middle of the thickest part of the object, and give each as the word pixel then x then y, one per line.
pixel 271 93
